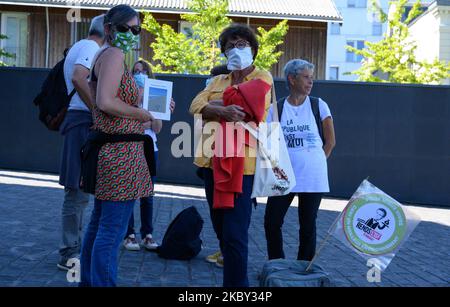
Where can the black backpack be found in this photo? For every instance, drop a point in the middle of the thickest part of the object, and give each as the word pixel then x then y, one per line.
pixel 53 99
pixel 315 110
pixel 182 238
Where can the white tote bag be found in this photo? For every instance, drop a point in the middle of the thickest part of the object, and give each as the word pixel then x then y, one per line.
pixel 274 175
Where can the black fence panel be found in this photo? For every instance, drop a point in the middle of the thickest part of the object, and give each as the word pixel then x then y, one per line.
pixel 398 135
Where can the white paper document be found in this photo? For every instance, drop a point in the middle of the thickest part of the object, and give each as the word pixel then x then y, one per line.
pixel 157 96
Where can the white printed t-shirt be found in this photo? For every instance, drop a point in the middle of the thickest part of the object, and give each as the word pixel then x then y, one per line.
pixel 81 53
pixel 305 145
pixel 152 133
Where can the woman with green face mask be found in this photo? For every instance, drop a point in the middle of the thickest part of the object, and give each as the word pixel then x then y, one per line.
pixel 122 172
pixel 125 37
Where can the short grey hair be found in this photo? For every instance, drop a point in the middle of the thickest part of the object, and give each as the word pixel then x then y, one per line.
pixel 294 67
pixel 97 28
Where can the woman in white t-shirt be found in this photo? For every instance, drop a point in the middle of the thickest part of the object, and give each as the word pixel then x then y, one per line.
pixel 142 70
pixel 308 147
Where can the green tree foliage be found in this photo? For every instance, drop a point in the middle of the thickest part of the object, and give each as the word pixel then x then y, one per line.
pixel 268 42
pixel 3 53
pixel 199 53
pixel 392 59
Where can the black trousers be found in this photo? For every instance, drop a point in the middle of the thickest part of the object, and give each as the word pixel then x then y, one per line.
pixel 276 209
pixel 231 227
pixel 216 219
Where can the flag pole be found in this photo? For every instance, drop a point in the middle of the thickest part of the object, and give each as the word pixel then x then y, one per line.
pixel 316 255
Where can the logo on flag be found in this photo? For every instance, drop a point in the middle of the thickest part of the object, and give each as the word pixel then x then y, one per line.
pixel 374 224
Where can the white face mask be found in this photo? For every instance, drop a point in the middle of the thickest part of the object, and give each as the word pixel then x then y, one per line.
pixel 239 59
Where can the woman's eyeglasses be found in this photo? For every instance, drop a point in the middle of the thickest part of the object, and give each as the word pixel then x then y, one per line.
pixel 125 28
pixel 240 44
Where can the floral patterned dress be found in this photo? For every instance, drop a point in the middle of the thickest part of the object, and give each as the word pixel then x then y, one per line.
pixel 122 171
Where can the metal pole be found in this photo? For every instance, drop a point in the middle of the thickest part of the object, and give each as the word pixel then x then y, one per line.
pixel 47 43
pixel 322 244
pixel 327 237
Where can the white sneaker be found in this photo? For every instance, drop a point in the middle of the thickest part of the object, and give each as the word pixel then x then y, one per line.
pixel 214 257
pixel 131 244
pixel 149 243
pixel 219 262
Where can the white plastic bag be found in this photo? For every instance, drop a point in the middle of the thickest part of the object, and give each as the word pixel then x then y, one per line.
pixel 274 175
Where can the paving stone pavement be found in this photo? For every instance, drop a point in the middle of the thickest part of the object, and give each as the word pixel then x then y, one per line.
pixel 30 206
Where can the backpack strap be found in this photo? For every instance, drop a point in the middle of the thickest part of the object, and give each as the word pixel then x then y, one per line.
pixel 315 110
pixel 72 93
pixel 280 105
pixel 316 113
pixel 65 53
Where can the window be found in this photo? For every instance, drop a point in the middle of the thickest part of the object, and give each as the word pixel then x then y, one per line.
pixel 15 27
pixel 352 57
pixel 356 3
pixel 334 73
pixel 377 28
pixel 186 29
pixel 335 28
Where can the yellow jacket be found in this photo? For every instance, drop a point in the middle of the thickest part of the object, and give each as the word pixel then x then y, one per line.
pixel 214 91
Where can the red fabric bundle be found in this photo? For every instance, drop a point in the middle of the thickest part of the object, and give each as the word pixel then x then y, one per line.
pixel 228 168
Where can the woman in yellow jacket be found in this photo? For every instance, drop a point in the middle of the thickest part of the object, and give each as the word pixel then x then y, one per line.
pixel 239 44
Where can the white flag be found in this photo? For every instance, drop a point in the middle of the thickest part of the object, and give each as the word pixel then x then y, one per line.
pixel 374 224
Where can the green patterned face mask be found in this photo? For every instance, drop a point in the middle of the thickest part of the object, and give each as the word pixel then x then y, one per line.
pixel 125 41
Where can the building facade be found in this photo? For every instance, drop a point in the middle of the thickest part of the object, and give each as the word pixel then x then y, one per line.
pixel 360 25
pixel 39 31
pixel 431 31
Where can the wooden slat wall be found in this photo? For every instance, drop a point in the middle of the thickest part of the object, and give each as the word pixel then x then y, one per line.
pixel 60 32
pixel 83 28
pixel 36 39
pixel 306 40
pixel 59 37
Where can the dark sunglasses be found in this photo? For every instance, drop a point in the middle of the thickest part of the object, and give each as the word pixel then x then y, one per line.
pixel 125 28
